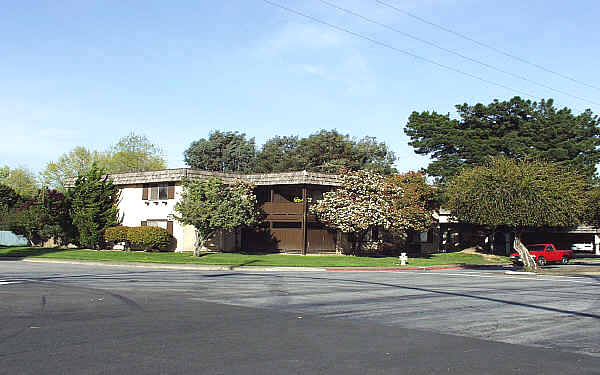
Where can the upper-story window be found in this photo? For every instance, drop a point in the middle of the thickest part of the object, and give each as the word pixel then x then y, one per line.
pixel 158 191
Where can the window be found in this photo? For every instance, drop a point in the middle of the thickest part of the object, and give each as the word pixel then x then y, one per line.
pixel 157 223
pixel 158 192
pixel 161 223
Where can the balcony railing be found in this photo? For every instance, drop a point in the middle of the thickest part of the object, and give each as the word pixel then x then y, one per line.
pixel 283 208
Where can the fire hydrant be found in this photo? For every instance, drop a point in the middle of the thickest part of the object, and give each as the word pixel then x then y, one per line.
pixel 403 259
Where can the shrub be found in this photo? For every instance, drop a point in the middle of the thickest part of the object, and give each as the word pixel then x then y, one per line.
pixel 149 238
pixel 116 234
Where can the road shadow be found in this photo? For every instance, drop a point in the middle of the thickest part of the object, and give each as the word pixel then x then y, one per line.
pixel 440 292
pixel 19 253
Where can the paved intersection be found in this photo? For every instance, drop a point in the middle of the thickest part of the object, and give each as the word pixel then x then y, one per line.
pixel 557 313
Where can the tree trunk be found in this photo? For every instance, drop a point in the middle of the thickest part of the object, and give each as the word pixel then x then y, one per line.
pixel 201 242
pixel 360 239
pixel 529 264
pixel 493 241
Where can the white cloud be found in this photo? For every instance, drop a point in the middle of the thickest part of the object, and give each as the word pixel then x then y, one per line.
pixel 319 51
pixel 294 36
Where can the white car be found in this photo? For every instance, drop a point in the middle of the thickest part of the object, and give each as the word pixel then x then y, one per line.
pixel 582 247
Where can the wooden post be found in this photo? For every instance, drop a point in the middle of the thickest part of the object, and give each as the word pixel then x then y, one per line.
pixel 304 220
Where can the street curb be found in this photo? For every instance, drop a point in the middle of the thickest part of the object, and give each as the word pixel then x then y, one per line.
pixel 423 268
pixel 200 267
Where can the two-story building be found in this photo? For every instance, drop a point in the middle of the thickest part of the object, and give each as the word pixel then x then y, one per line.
pixel 148 198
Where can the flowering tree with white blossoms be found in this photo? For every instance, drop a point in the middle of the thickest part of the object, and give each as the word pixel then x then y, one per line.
pixel 367 200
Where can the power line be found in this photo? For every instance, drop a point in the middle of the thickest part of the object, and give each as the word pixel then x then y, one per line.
pixel 490 66
pixel 383 44
pixel 485 45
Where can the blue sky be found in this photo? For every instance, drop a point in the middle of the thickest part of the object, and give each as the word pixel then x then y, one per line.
pixel 89 72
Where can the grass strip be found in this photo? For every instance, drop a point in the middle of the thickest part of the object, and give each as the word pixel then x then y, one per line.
pixel 242 259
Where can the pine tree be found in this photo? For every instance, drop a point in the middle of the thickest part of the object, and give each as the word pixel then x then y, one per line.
pixel 93 207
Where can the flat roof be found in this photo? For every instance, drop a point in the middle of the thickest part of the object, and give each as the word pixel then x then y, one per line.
pixel 178 174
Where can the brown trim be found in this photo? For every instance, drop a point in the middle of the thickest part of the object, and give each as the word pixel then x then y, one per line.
pixel 171 191
pixel 145 192
pixel 144 223
pixel 169 224
pixel 304 217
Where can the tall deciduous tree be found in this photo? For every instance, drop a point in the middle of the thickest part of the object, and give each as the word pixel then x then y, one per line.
pixel 515 128
pixel 93 206
pixel 134 153
pixel 368 200
pixel 21 180
pixel 70 165
pixel 222 152
pixel 517 195
pixel 211 205
pixel 592 214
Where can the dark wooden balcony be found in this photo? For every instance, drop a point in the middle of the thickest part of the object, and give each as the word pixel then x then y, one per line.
pixel 283 211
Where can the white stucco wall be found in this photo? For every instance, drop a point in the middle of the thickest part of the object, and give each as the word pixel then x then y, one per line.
pixel 134 210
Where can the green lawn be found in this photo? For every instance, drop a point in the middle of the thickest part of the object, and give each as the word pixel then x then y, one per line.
pixel 236 259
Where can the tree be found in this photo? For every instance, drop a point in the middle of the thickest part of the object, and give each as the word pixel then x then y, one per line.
pixel 70 165
pixel 516 128
pixel 222 152
pixel 134 153
pixel 368 200
pixel 279 154
pixel 93 206
pixel 211 205
pixel 42 218
pixel 592 214
pixel 21 180
pixel 517 195
pixel 374 156
pixel 328 151
pixel 8 196
pixel 4 172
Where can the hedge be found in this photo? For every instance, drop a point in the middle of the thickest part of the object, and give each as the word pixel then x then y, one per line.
pixel 140 238
pixel 116 234
pixel 149 238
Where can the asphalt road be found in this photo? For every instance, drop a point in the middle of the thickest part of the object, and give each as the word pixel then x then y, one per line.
pixel 74 319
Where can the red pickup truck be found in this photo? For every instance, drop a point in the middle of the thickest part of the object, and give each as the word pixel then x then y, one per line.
pixel 544 253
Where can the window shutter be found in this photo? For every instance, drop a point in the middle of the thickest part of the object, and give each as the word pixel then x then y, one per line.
pixel 170 227
pixel 144 223
pixel 145 192
pixel 171 192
